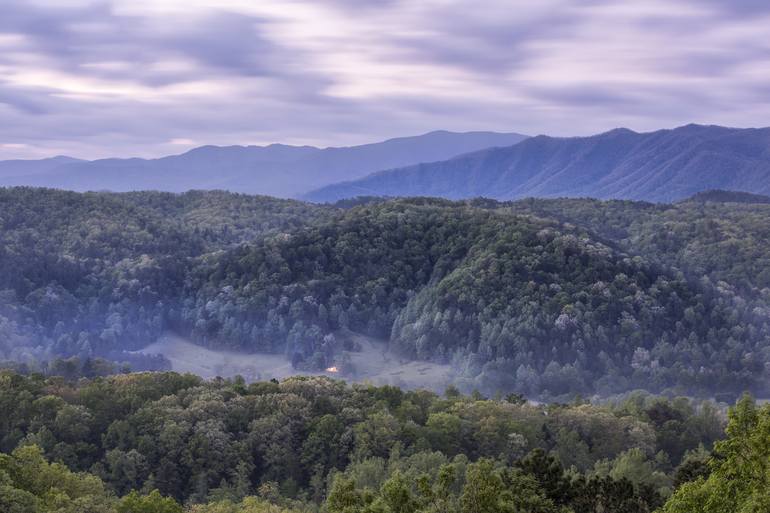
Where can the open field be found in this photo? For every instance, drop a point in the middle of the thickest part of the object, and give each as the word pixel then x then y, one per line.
pixel 208 363
pixel 376 364
pixel 373 363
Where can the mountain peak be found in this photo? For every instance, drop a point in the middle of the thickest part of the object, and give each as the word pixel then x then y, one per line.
pixel 620 131
pixel 698 128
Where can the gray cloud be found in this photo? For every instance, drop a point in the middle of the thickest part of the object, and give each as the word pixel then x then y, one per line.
pixel 23 102
pixel 741 7
pixel 127 77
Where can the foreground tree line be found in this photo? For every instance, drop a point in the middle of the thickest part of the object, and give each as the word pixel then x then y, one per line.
pixel 166 443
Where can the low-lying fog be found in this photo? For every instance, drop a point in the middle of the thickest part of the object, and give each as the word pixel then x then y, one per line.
pixel 373 363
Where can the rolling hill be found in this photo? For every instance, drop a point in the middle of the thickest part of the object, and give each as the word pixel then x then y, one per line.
pixel 721 196
pixel 660 166
pixel 276 170
pixel 544 297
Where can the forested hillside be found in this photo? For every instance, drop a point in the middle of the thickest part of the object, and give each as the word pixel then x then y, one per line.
pixel 93 274
pixel 547 298
pixel 516 302
pixel 305 443
pixel 723 240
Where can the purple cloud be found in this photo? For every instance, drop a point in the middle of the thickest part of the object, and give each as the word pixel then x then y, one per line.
pixel 141 77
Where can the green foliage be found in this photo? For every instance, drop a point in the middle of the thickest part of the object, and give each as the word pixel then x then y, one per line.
pixel 396 495
pixel 29 484
pixel 310 442
pixel 544 298
pixel 95 274
pixel 483 490
pixel 722 240
pixel 152 503
pixel 739 481
pixel 343 497
pixel 516 303
pixel 248 505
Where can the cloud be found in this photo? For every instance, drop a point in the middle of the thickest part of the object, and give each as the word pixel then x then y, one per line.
pixel 22 101
pixel 136 77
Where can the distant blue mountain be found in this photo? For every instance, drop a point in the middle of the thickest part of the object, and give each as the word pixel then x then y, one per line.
pixel 11 168
pixel 666 165
pixel 275 170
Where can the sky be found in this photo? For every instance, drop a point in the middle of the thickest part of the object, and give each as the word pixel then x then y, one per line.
pixel 155 77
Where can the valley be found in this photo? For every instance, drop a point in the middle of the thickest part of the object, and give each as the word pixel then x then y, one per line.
pixel 385 256
pixel 370 363
pixel 381 342
pixel 548 298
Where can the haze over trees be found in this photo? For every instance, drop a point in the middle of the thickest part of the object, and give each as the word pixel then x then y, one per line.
pixel 539 298
pixel 92 274
pixel 547 298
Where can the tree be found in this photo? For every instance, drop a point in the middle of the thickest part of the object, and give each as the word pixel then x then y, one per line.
pixel 740 471
pixel 152 503
pixel 28 481
pixel 483 490
pixel 343 496
pixel 396 495
pixel 443 432
pixel 549 473
pixel 14 500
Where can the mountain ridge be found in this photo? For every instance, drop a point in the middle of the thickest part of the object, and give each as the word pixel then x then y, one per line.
pixel 276 170
pixel 664 165
pixel 32 167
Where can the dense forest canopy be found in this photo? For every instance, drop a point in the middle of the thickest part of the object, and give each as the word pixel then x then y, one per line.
pixel 541 299
pixel 93 274
pixel 547 298
pixel 151 442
